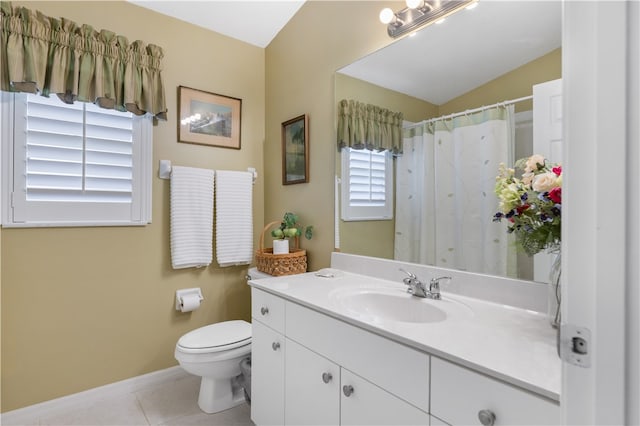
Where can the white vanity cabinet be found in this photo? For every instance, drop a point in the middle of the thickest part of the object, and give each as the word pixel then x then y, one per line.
pixel 304 380
pixel 311 367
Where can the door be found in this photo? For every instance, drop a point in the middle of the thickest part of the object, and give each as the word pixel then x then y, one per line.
pixel 600 253
pixel 267 375
pixel 547 141
pixel 363 403
pixel 312 385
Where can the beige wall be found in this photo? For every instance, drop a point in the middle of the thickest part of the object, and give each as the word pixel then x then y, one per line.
pixel 83 307
pixel 512 85
pixel 300 65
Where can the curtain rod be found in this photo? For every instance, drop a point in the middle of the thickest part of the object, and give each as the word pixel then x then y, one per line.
pixel 471 111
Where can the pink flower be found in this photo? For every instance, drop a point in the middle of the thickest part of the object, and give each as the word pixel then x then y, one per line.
pixel 557 170
pixel 555 195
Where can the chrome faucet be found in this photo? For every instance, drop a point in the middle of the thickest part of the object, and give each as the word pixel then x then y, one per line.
pixel 434 287
pixel 419 289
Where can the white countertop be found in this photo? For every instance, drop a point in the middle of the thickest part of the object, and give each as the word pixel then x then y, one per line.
pixel 512 344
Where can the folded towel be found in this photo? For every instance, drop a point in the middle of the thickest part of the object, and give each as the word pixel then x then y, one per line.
pixel 191 217
pixel 234 217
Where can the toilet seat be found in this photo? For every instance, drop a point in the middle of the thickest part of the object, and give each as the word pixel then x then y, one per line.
pixel 218 337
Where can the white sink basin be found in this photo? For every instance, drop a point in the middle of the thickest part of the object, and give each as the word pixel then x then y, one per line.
pixel 396 305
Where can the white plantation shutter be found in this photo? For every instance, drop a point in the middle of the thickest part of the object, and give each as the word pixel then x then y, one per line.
pixel 367 184
pixel 78 164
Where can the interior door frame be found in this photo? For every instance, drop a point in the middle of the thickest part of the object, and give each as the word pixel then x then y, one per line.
pixel 599 59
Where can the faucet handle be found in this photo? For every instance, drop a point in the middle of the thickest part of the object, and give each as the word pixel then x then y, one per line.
pixel 434 284
pixel 412 276
pixel 437 280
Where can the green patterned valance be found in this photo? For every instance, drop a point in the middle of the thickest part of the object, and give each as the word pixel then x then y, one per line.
pixel 363 126
pixel 57 56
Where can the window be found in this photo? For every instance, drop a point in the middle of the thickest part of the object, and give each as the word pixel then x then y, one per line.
pixel 367 185
pixel 73 165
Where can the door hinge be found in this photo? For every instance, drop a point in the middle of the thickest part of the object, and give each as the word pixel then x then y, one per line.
pixel 574 344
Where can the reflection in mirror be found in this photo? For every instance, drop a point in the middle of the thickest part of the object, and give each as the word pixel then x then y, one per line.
pixel 477 58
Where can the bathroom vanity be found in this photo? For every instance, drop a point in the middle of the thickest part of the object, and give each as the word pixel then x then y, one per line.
pixel 341 347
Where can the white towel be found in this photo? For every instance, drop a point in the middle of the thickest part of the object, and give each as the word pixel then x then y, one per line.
pixel 191 217
pixel 234 217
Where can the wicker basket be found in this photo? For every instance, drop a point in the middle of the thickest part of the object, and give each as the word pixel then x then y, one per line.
pixel 295 262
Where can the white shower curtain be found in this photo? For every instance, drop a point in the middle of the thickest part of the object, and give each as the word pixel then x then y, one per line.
pixel 444 193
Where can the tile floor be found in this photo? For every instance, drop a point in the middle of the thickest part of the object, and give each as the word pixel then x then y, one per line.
pixel 174 403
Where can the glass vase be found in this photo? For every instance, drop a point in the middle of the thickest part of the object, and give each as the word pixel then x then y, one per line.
pixel 553 299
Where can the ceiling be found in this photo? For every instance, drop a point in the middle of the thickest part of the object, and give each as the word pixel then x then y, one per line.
pixel 439 63
pixel 254 22
pixel 471 48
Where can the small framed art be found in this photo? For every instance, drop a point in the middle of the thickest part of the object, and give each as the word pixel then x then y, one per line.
pixel 208 118
pixel 295 150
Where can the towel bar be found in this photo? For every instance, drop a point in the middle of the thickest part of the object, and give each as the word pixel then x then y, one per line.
pixel 164 171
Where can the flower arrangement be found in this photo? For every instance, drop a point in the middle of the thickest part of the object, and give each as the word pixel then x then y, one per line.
pixel 532 204
pixel 290 228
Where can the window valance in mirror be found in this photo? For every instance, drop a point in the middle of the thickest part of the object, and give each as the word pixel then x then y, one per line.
pixel 75 62
pixel 364 126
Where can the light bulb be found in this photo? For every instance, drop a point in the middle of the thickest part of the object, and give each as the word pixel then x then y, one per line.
pixel 414 4
pixel 386 15
pixel 440 21
pixel 472 6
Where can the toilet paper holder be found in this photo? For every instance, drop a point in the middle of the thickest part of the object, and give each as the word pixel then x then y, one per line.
pixel 180 294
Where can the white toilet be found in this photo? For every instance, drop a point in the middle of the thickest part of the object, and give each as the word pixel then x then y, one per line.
pixel 214 352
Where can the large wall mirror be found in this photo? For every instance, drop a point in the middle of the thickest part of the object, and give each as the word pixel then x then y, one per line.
pixel 476 58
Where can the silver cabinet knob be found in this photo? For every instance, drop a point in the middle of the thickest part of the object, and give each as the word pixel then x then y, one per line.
pixel 487 417
pixel 264 310
pixel 347 390
pixel 327 377
pixel 275 346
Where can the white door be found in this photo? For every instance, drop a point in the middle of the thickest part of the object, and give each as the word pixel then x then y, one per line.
pixel 363 403
pixel 547 141
pixel 600 73
pixel 312 385
pixel 267 375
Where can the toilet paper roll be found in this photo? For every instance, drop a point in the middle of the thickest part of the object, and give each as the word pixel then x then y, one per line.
pixel 189 303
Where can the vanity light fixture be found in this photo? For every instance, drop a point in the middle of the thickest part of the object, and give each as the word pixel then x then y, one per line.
pixel 419 13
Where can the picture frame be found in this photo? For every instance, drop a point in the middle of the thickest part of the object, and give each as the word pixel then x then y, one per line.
pixel 210 119
pixel 295 150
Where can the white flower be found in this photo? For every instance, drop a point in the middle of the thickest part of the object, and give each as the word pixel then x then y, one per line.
pixel 527 178
pixel 544 182
pixel 532 163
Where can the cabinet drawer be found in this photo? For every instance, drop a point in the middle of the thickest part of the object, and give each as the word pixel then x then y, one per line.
pixel 399 369
pixel 459 394
pixel 268 309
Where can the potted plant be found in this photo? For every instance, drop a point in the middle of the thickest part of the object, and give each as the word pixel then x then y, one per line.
pixel 289 228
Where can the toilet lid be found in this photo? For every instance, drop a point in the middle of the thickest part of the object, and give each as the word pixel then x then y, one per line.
pixel 220 336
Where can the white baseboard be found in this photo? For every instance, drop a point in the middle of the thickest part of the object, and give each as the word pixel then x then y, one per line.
pixel 27 414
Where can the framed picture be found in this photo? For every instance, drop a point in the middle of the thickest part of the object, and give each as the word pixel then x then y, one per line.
pixel 208 118
pixel 295 150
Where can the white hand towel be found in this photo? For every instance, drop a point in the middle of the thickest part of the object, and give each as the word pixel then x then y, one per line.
pixel 191 217
pixel 234 217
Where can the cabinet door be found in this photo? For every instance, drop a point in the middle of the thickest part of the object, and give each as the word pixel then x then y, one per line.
pixel 267 375
pixel 312 386
pixel 363 403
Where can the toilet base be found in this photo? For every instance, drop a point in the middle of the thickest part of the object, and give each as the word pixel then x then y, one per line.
pixel 219 394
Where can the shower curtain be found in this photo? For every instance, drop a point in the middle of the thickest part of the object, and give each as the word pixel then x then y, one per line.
pixel 444 192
